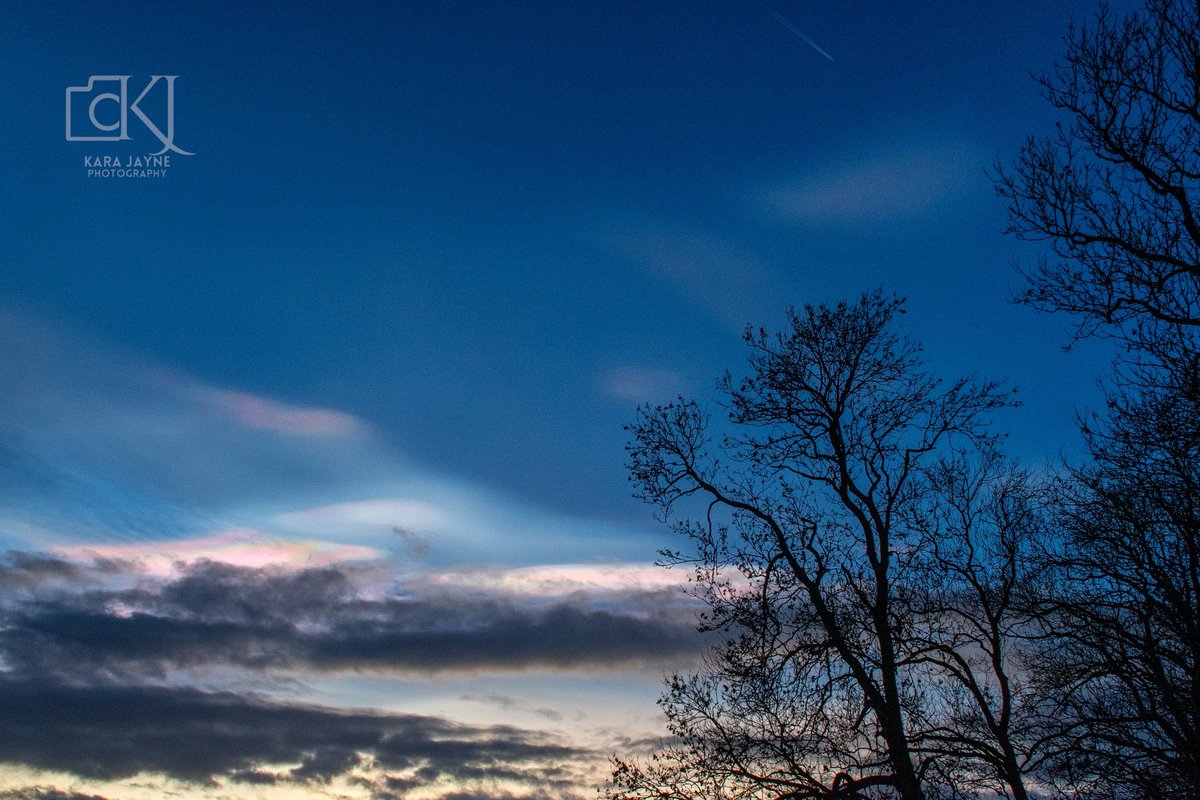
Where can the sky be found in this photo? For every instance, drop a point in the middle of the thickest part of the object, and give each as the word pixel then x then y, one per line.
pixel 312 475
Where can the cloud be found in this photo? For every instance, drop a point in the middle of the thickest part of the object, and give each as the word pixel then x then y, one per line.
pixel 406 637
pixel 118 732
pixel 732 283
pixel 415 545
pixel 243 547
pixel 196 536
pixel 101 451
pixel 508 703
pixel 263 413
pixel 94 442
pixel 29 570
pixel 447 522
pixel 334 619
pixel 881 185
pixel 559 580
pixel 642 384
pixel 45 793
pixel 383 514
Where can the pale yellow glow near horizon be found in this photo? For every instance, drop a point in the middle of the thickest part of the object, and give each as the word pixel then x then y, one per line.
pixel 356 785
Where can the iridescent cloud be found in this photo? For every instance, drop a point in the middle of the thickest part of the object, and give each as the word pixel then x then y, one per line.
pixel 255 411
pixel 242 547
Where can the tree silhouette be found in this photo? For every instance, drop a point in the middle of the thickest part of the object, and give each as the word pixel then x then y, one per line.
pixel 1123 663
pixel 1114 193
pixel 846 478
pixel 901 612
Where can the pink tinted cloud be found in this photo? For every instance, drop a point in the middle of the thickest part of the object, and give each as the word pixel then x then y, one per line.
pixel 241 547
pixel 254 411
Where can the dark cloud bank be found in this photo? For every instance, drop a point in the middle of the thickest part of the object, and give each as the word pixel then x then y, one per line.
pixel 216 614
pixel 110 732
pixel 86 651
pixel 46 793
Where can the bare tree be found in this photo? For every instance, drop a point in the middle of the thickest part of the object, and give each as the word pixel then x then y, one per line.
pixel 810 520
pixel 1115 194
pixel 1116 191
pixel 979 532
pixel 1122 661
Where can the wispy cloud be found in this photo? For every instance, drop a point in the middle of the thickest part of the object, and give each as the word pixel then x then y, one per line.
pixel 508 703
pixel 101 451
pixel 263 413
pixel 243 547
pixel 639 384
pixel 185 535
pixel 732 283
pixel 874 184
pixel 561 579
pixel 94 442
pixel 380 514
pixel 450 521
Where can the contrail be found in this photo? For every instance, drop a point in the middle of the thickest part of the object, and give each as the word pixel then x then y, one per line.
pixel 800 33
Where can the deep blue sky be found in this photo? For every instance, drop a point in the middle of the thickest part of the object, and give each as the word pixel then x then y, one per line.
pixel 351 379
pixel 436 216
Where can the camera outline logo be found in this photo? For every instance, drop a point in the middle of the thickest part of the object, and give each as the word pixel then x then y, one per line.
pixel 118 129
